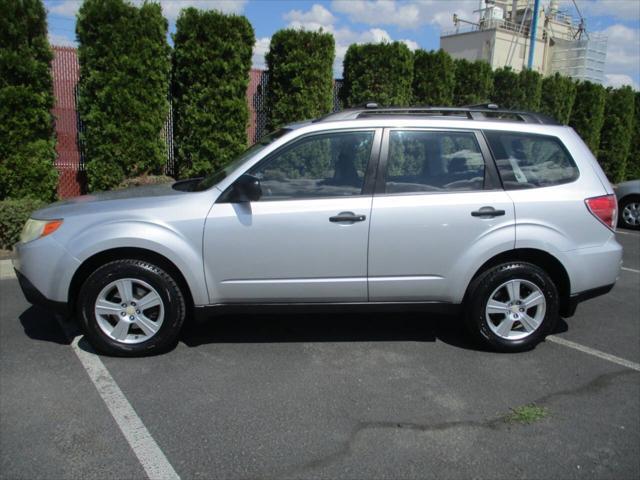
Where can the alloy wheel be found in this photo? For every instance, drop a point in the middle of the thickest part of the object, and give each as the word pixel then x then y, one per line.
pixel 631 214
pixel 515 309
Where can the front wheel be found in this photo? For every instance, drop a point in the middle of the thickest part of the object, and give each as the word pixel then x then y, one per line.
pixel 131 308
pixel 512 307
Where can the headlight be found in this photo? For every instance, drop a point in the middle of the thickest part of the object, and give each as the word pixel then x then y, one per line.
pixel 34 229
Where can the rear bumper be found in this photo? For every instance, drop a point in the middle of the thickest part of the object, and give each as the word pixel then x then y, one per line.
pixel 569 308
pixel 35 296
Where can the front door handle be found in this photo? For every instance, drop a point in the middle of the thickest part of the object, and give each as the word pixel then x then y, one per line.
pixel 488 212
pixel 347 217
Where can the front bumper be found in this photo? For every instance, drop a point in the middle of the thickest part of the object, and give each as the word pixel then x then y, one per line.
pixel 35 296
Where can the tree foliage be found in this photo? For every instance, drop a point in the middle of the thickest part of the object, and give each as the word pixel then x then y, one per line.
pixel 300 67
pixel 433 78
pixel 474 81
pixel 211 62
pixel 519 91
pixel 530 84
pixel 587 114
pixel 558 97
pixel 633 160
pixel 617 133
pixel 123 89
pixel 377 72
pixel 27 144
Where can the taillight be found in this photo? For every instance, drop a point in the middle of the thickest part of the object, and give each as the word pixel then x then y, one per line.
pixel 604 208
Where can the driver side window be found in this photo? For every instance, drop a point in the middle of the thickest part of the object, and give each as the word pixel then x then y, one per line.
pixel 328 165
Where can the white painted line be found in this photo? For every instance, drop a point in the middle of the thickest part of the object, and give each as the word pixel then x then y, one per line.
pixel 6 269
pixel 628 233
pixel 595 353
pixel 153 460
pixel 627 269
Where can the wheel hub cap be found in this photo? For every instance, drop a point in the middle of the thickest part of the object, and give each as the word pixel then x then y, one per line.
pixel 515 309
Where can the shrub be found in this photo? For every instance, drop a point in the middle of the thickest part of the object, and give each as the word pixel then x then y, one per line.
pixel 13 215
pixel 300 67
pixel 519 91
pixel 27 144
pixel 123 89
pixel 377 72
pixel 633 160
pixel 474 81
pixel 587 114
pixel 211 62
pixel 558 97
pixel 530 84
pixel 617 133
pixel 433 78
pixel 144 180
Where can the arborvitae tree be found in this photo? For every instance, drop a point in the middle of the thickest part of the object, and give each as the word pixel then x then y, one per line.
pixel 530 84
pixel 558 96
pixel 507 92
pixel 211 63
pixel 633 160
pixel 123 89
pixel 617 133
pixel 433 78
pixel 27 144
pixel 587 114
pixel 377 72
pixel 300 67
pixel 474 82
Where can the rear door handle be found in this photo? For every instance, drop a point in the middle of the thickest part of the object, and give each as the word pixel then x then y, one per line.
pixel 488 212
pixel 347 217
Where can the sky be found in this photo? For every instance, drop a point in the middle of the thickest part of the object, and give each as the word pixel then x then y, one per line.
pixel 418 23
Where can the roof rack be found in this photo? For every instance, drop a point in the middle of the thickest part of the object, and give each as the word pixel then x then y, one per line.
pixel 486 111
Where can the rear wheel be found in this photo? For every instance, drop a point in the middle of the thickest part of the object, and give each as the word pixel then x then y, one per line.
pixel 130 308
pixel 629 216
pixel 511 307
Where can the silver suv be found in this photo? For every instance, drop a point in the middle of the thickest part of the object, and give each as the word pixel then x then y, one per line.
pixel 503 216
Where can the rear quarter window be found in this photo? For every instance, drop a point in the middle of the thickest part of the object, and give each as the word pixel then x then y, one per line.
pixel 527 160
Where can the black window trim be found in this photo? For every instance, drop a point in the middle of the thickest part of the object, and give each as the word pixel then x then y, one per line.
pixel 492 180
pixel 532 134
pixel 369 177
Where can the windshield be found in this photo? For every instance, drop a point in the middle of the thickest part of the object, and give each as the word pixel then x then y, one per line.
pixel 221 174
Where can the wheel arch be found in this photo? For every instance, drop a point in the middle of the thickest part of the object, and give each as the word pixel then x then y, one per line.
pixel 93 262
pixel 540 258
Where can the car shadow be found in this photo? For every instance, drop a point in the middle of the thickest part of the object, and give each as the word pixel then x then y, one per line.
pixel 40 324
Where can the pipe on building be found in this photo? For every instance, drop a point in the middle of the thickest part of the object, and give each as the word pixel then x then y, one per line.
pixel 534 29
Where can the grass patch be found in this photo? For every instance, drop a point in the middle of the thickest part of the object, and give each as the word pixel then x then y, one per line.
pixel 527 414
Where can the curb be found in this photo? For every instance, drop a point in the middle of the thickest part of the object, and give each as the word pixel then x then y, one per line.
pixel 6 270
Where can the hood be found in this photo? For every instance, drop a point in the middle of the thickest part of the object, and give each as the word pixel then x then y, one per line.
pixel 129 199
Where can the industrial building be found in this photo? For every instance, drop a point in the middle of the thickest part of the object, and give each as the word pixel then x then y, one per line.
pixel 502 35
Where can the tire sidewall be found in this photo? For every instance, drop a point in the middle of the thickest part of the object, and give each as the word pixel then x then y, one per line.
pixel 485 285
pixel 173 304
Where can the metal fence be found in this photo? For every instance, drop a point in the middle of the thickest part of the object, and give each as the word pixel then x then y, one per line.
pixel 71 159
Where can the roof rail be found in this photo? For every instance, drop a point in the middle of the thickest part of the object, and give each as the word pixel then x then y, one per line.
pixel 488 111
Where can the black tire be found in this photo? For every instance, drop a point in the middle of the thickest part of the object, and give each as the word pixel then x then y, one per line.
pixel 624 204
pixel 173 303
pixel 486 283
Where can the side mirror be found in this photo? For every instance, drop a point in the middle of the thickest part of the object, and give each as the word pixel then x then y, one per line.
pixel 246 189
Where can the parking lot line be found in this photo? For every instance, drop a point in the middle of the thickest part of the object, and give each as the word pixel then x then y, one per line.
pixel 630 269
pixel 628 233
pixel 594 352
pixel 151 457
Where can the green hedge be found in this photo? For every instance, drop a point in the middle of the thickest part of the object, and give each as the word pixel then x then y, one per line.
pixel 518 91
pixel 13 215
pixel 211 62
pixel 633 160
pixel 474 81
pixel 617 133
pixel 433 78
pixel 558 97
pixel 300 65
pixel 123 89
pixel 530 83
pixel 587 114
pixel 377 72
pixel 27 144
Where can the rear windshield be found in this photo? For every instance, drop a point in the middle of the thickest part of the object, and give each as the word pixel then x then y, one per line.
pixel 528 160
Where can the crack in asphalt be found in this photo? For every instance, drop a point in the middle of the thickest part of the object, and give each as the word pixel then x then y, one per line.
pixel 599 383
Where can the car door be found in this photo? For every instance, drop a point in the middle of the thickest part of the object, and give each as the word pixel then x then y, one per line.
pixel 438 210
pixel 305 239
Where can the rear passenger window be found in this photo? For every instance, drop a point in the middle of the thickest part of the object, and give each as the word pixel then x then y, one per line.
pixel 421 161
pixel 530 161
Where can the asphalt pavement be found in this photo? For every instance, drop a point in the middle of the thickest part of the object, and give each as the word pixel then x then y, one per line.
pixel 326 396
